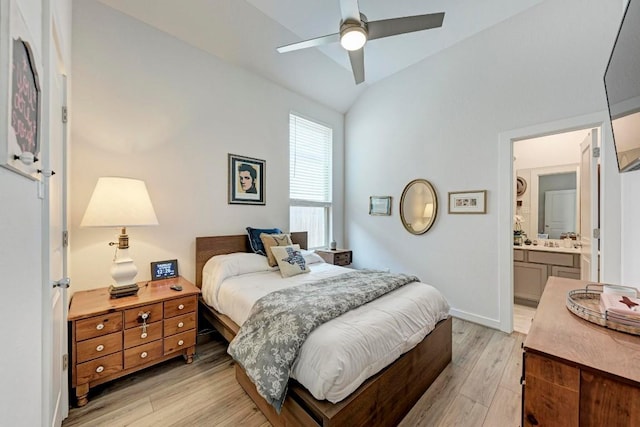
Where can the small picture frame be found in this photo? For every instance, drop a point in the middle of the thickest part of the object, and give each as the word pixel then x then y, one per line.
pixel 380 205
pixel 246 180
pixel 164 269
pixel 468 202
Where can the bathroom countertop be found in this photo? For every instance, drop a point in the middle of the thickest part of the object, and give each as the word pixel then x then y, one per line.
pixel 543 248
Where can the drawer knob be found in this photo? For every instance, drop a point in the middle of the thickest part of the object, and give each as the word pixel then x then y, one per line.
pixel 180 325
pixel 99 369
pixel 143 335
pixel 181 306
pixel 180 342
pixel 143 354
pixel 100 326
pixel 100 347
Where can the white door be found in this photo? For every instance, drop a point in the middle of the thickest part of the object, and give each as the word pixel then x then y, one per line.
pixel 588 207
pixel 559 212
pixel 57 256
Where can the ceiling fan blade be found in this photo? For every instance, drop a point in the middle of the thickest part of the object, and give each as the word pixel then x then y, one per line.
pixel 319 41
pixel 357 64
pixel 407 24
pixel 350 10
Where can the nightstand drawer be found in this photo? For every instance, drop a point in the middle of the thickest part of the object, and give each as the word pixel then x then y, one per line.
pixel 133 317
pixel 142 354
pixel 342 258
pixel 98 325
pixel 98 347
pixel 179 324
pixel 178 306
pixel 133 337
pixel 98 368
pixel 179 341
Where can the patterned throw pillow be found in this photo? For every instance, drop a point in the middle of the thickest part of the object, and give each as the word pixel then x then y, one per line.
pixel 254 238
pixel 270 240
pixel 290 260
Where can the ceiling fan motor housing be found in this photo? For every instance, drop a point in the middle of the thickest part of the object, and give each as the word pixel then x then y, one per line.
pixel 353 34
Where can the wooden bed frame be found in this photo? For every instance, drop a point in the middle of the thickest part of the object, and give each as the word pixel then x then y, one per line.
pixel 382 400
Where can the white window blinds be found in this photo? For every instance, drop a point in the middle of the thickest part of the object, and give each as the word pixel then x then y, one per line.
pixel 310 162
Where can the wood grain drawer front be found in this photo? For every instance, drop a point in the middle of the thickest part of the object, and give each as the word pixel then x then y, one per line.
pixel 343 258
pixel 98 368
pixel 548 404
pixel 179 324
pixel 133 316
pixel 180 341
pixel 551 371
pixel 178 306
pixel 142 354
pixel 98 325
pixel 551 258
pixel 518 255
pixel 606 402
pixel 134 336
pixel 98 347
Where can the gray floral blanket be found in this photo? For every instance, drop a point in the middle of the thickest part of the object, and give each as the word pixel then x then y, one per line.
pixel 269 341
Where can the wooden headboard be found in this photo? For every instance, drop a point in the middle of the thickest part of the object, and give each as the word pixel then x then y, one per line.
pixel 206 247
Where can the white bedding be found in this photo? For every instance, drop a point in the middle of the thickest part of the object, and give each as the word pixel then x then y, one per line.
pixel 342 353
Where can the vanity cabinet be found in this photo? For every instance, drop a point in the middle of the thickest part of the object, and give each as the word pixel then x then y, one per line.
pixel 532 268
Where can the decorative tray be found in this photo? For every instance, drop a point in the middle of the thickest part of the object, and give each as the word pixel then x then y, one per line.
pixel 585 303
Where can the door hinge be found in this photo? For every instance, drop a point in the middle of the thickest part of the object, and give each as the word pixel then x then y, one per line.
pixel 596 152
pixel 596 233
pixel 65 113
pixel 65 362
pixel 65 238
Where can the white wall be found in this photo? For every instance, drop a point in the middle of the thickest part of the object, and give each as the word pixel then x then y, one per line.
pixel 25 395
pixel 151 107
pixel 441 120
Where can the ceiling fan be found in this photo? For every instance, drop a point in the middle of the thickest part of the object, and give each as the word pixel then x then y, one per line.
pixel 355 31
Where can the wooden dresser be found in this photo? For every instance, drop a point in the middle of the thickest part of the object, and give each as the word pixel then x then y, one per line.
pixel 577 373
pixel 110 338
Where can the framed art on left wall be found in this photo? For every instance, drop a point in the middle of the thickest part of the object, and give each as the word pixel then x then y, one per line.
pixel 20 108
pixel 246 180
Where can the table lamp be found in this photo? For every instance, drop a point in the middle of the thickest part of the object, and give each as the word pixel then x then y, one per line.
pixel 120 202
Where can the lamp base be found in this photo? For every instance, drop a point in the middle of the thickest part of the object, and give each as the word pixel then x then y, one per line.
pixel 123 270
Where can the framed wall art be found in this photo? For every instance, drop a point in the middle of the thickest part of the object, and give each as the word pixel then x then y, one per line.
pixel 380 205
pixel 468 202
pixel 246 180
pixel 20 106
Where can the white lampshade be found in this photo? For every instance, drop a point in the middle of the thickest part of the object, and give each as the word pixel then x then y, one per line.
pixel 119 202
pixel 353 38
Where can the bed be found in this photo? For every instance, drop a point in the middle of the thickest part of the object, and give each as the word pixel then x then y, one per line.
pixel 384 399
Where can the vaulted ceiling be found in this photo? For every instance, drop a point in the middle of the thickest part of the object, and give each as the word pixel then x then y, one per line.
pixel 247 32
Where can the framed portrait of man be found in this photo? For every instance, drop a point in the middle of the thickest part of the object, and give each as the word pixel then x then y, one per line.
pixel 246 180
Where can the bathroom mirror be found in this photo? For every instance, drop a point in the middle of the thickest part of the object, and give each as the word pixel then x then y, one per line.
pixel 418 206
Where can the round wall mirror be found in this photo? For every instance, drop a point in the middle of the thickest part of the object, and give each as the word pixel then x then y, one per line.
pixel 418 206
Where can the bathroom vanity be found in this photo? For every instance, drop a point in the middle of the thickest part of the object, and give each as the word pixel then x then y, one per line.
pixel 532 266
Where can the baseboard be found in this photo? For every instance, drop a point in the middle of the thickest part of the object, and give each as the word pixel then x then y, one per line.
pixel 481 320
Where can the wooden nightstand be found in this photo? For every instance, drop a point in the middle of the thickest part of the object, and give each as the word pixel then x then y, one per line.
pixel 109 337
pixel 336 257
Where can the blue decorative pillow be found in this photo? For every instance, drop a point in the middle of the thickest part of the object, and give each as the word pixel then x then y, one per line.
pixel 254 238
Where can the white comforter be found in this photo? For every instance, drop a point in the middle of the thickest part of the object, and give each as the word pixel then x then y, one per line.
pixel 342 353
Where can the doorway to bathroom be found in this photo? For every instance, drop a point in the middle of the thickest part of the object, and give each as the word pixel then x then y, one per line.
pixel 551 189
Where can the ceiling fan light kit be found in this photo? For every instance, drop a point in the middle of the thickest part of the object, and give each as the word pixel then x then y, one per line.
pixel 353 35
pixel 355 31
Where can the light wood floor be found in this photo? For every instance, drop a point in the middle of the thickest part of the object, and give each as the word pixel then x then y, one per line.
pixel 522 318
pixel 479 388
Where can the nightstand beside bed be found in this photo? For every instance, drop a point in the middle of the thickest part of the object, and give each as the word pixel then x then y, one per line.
pixel 113 337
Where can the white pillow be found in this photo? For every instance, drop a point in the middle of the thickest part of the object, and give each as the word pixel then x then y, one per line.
pixel 220 267
pixel 290 260
pixel 311 257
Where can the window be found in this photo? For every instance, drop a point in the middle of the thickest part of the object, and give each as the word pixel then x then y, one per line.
pixel 310 172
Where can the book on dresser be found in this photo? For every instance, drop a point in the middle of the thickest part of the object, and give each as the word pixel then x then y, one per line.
pixel 113 337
